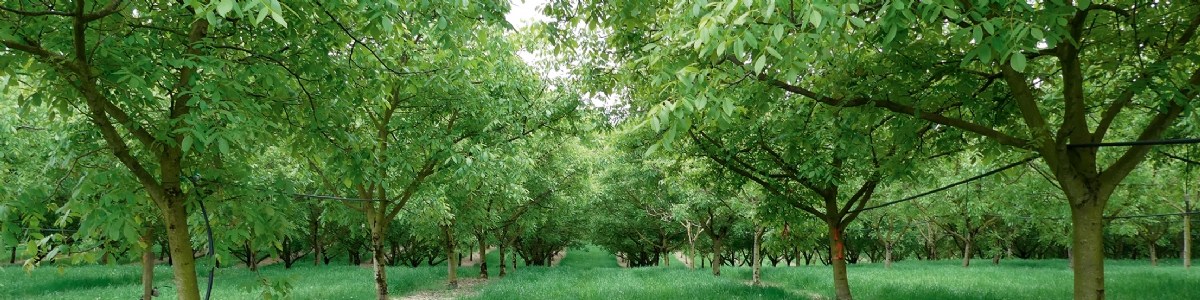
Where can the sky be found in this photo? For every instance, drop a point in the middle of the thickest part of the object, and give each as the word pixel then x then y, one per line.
pixel 525 12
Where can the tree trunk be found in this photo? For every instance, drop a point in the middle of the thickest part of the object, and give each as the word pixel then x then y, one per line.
pixel 314 229
pixel 451 256
pixel 1153 253
pixel 378 259
pixel 251 257
pixel 180 242
pixel 501 249
pixel 757 264
pixel 691 258
pixel 967 251
pixel 717 259
pixel 1187 238
pixel 1070 259
pixel 887 256
pixel 837 255
pixel 483 271
pixel 1087 247
pixel 148 264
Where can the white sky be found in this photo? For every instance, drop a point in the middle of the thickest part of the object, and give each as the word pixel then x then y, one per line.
pixel 522 14
pixel 526 12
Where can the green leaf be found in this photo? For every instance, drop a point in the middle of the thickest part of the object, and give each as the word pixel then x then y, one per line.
pixel 225 6
pixel 741 19
pixel 728 107
pixel 1018 62
pixel 774 53
pixel 223 145
pixel 262 14
pixel 760 63
pixel 815 18
pixel 278 17
pixel 187 143
pixel 858 22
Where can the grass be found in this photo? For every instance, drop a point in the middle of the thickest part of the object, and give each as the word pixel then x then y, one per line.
pixel 592 273
pixel 124 282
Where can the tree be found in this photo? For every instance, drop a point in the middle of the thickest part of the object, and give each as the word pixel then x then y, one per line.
pixel 1033 77
pixel 142 92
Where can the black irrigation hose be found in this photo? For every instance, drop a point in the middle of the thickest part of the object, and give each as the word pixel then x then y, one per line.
pixel 302 196
pixel 1137 143
pixel 1189 161
pixel 1153 215
pixel 212 269
pixel 952 185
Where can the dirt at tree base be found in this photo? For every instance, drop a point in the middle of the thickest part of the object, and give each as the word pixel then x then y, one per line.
pixel 466 287
pixel 474 258
pixel 558 257
pixel 682 257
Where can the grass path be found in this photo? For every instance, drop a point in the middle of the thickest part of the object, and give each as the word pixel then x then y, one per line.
pixel 592 273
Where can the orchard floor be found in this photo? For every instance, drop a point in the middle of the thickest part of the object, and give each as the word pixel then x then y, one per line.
pixel 591 273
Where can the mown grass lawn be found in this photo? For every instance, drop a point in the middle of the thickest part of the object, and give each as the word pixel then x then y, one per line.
pixel 591 273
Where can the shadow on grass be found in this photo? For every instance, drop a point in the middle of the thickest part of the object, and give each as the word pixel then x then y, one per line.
pixel 41 283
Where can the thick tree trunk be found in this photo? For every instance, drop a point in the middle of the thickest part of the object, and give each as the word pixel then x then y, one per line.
pixel 837 249
pixel 378 259
pixel 1070 259
pixel 717 259
pixel 148 264
pixel 483 271
pixel 757 264
pixel 1153 253
pixel 180 242
pixel 1087 247
pixel 967 251
pixel 503 265
pixel 887 256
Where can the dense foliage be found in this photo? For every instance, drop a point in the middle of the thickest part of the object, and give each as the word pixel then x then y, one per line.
pixel 712 133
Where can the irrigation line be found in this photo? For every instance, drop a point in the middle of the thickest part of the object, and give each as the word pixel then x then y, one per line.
pixel 1189 161
pixel 952 185
pixel 212 269
pixel 1137 143
pixel 1153 215
pixel 303 196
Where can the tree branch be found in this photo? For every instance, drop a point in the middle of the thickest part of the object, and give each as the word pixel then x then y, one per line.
pixel 1136 154
pixel 1000 137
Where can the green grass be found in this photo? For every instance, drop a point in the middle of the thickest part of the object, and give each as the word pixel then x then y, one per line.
pixel 592 273
pixel 124 282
